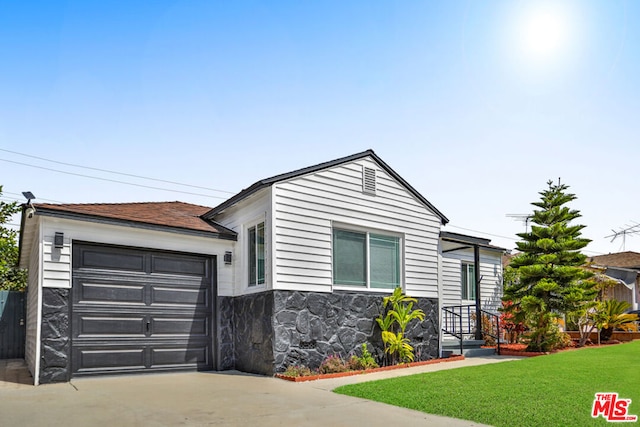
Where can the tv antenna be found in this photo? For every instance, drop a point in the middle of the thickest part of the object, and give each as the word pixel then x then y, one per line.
pixel 629 230
pixel 525 218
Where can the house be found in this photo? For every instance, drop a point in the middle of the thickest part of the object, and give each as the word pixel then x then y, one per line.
pixel 624 267
pixel 290 270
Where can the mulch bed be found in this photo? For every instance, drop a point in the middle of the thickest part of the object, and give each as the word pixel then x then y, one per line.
pixel 368 371
pixel 520 349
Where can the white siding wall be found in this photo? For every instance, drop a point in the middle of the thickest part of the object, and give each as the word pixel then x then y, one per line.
pixel 451 281
pixel 57 263
pixel 490 286
pixel 251 211
pixel 305 209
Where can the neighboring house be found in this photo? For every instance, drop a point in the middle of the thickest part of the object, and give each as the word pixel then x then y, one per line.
pixel 624 267
pixel 290 270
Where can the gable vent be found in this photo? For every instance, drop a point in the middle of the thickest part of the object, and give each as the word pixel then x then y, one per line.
pixel 369 180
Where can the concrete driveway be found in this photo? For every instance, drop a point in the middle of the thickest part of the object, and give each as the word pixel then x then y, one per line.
pixel 208 398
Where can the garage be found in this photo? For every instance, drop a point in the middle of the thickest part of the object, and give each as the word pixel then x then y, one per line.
pixel 139 310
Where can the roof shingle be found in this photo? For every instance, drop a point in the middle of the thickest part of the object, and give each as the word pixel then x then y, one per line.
pixel 627 259
pixel 165 214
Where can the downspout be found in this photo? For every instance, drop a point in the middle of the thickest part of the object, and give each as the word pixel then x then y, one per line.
pixel 476 262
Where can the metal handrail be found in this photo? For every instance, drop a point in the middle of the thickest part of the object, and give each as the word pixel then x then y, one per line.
pixel 494 319
pixel 452 323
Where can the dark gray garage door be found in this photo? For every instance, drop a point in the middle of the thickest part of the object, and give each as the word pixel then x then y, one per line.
pixel 137 310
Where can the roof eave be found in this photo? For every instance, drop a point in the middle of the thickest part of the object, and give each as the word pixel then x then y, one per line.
pixel 224 235
pixel 310 169
pixel 470 241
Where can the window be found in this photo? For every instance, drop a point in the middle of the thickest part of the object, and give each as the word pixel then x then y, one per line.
pixel 256 254
pixel 366 259
pixel 468 281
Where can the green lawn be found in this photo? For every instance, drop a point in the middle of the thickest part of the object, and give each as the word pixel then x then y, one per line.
pixel 553 390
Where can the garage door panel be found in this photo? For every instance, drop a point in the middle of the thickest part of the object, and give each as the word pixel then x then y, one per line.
pixel 105 359
pixel 180 265
pixel 100 358
pixel 112 326
pixel 180 327
pixel 179 297
pixel 139 310
pixel 110 259
pixel 110 293
pixel 196 356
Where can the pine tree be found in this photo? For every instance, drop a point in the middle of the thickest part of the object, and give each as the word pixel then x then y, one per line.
pixel 551 280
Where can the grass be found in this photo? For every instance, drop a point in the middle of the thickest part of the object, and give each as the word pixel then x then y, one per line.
pixel 552 390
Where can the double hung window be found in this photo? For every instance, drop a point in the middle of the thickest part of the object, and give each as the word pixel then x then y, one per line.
pixel 366 259
pixel 256 254
pixel 468 281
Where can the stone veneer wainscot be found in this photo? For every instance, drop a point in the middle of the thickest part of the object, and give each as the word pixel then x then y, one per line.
pixel 264 333
pixel 275 329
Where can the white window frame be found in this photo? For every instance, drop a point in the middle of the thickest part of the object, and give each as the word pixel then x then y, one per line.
pixel 368 232
pixel 247 269
pixel 470 288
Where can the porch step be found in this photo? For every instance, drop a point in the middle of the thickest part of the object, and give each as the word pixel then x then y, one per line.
pixel 478 352
pixel 470 348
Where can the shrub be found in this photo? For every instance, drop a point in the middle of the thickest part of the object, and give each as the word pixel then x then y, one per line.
pixel 333 364
pixel 513 329
pixel 297 371
pixel 488 327
pixel 366 361
pixel 548 338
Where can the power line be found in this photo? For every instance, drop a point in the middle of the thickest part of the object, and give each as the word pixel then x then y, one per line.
pixel 116 173
pixel 39 198
pixel 112 180
pixel 482 232
pixel 510 238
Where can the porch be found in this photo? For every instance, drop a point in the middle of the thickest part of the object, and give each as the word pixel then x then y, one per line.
pixel 466 333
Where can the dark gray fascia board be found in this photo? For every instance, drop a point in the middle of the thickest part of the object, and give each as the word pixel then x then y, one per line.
pixel 282 177
pixel 469 240
pixel 464 238
pixel 226 235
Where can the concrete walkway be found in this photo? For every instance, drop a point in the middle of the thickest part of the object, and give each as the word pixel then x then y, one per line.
pixel 207 398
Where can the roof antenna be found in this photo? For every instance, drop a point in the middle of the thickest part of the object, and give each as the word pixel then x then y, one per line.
pixel 526 219
pixel 630 230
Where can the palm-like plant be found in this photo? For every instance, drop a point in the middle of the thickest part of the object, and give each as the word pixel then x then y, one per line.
pixel 612 316
pixel 404 314
pixel 394 322
pixel 396 343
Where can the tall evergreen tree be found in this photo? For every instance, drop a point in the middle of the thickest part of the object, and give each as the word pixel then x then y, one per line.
pixel 550 279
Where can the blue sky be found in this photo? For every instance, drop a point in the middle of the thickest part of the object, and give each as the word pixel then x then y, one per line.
pixel 476 104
